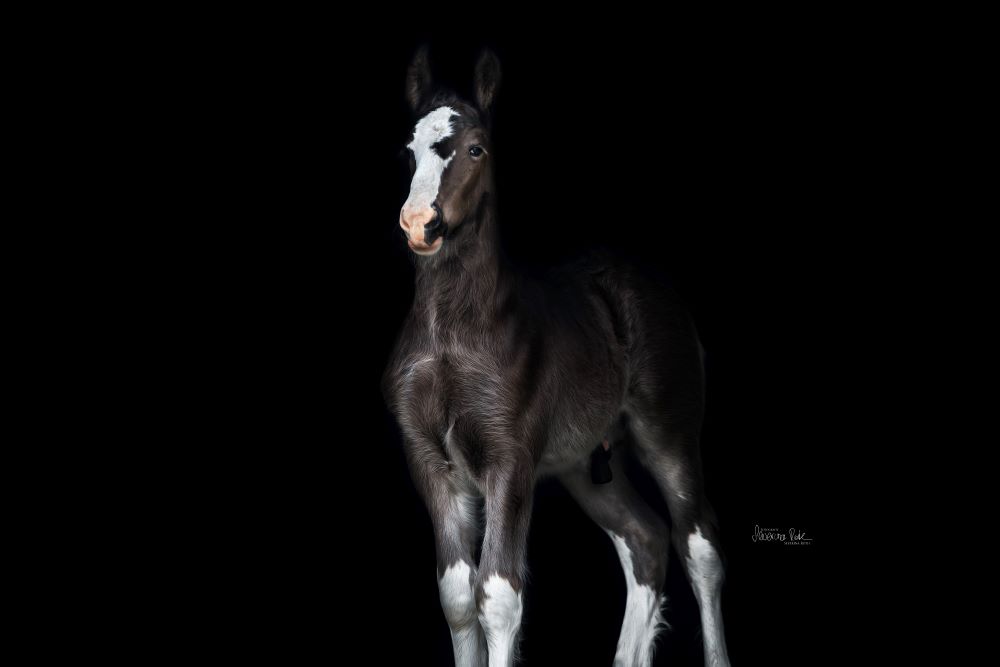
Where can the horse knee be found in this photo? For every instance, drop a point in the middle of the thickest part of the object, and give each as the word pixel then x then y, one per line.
pixel 500 607
pixel 458 599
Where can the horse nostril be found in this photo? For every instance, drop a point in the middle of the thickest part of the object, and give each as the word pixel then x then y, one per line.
pixel 436 220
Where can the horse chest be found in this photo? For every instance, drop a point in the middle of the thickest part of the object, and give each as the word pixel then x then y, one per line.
pixel 461 400
pixel 465 382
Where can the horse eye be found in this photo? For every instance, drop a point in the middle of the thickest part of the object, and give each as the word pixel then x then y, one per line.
pixel 475 151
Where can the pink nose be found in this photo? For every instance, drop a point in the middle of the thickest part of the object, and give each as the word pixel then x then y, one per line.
pixel 417 222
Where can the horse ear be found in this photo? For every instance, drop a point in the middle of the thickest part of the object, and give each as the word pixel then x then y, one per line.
pixel 487 79
pixel 418 79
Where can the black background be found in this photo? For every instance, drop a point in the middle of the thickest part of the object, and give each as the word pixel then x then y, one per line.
pixel 734 161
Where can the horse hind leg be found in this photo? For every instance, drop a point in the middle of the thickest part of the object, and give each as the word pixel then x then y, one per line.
pixel 673 460
pixel 642 541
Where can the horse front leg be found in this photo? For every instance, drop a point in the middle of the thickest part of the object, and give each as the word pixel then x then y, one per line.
pixel 456 535
pixel 502 568
pixel 456 531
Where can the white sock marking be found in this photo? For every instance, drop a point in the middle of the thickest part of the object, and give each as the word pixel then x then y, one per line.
pixel 501 620
pixel 458 600
pixel 643 618
pixel 705 568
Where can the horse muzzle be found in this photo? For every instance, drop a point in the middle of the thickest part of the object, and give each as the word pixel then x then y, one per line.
pixel 424 229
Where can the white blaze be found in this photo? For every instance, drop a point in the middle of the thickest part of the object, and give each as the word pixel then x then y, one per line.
pixel 432 128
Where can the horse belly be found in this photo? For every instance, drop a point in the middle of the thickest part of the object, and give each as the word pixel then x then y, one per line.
pixel 581 422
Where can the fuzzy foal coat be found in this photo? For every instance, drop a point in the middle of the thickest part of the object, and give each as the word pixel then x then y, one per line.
pixel 498 379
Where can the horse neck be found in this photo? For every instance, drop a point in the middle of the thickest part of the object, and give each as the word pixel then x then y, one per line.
pixel 467 282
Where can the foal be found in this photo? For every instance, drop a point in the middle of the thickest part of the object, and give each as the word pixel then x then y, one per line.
pixel 497 380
